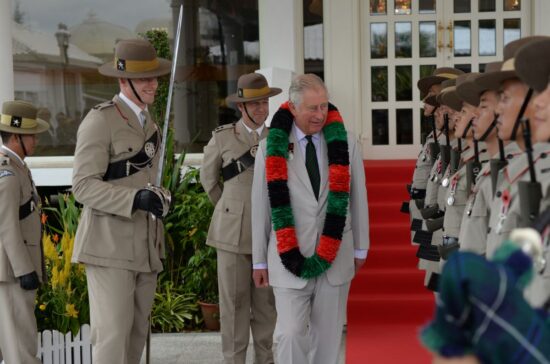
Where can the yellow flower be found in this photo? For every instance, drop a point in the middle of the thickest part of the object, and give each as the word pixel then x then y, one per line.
pixel 55 277
pixel 192 232
pixel 49 248
pixel 42 307
pixel 71 311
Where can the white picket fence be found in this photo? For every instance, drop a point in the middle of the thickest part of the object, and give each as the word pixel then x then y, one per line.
pixel 57 348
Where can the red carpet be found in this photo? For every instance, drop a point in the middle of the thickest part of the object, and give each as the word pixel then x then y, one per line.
pixel 388 302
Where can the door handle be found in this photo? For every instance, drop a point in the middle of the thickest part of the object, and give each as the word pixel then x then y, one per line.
pixel 440 30
pixel 450 45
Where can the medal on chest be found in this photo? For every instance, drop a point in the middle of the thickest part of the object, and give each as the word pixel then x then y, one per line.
pixel 454 184
pixel 290 151
pixel 505 199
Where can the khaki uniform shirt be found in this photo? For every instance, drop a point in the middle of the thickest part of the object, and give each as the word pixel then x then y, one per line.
pixel 230 227
pixel 434 179
pixel 505 209
pixel 110 232
pixel 423 165
pixel 457 193
pixel 20 240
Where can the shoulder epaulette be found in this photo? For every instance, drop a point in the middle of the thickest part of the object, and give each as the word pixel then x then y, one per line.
pixel 224 127
pixel 104 105
pixel 5 173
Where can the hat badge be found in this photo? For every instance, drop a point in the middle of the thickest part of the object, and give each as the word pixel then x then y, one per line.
pixel 240 92
pixel 15 121
pixel 121 65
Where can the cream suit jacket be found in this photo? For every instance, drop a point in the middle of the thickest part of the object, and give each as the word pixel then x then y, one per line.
pixel 109 233
pixel 309 215
pixel 20 250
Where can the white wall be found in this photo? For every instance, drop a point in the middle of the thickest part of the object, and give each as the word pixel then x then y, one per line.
pixel 540 13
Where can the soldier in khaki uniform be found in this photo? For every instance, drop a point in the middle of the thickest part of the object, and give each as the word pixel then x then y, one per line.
pixel 120 235
pixel 230 154
pixel 513 95
pixel 21 258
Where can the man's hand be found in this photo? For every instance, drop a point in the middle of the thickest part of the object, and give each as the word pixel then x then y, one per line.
pixel 260 278
pixel 469 359
pixel 147 200
pixel 358 264
pixel 29 281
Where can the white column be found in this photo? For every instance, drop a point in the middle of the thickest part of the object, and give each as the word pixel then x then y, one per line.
pixel 6 57
pixel 281 25
pixel 539 14
pixel 342 49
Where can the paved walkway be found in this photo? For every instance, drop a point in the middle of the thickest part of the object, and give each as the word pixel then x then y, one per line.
pixel 196 348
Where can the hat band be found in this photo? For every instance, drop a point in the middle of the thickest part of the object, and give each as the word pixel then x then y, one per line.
pixel 136 66
pixel 18 121
pixel 508 65
pixel 248 93
pixel 447 75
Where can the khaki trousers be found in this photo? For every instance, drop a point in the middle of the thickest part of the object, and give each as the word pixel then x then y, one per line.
pixel 18 333
pixel 310 322
pixel 120 304
pixel 243 307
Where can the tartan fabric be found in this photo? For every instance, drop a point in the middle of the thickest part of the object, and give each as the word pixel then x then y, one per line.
pixel 423 237
pixel 416 224
pixel 428 252
pixel 481 311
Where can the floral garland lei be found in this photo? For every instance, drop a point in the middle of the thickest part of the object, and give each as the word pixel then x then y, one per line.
pixel 279 196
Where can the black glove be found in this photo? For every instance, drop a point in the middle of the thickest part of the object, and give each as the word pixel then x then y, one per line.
pixel 148 201
pixel 29 281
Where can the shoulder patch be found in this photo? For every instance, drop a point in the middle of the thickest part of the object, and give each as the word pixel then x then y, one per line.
pixel 224 127
pixel 5 173
pixel 4 160
pixel 104 105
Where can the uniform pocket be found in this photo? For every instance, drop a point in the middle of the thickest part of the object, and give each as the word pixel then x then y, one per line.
pixel 110 237
pixel 227 221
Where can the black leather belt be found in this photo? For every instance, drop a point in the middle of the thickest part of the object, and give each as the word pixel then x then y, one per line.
pixel 27 208
pixel 434 224
pixel 239 165
pixel 128 167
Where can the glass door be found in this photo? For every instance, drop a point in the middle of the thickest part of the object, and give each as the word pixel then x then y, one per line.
pixel 405 40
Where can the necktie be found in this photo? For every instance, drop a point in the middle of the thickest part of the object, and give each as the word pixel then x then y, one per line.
pixel 142 118
pixel 312 166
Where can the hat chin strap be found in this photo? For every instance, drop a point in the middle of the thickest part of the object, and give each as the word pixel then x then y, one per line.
pixel 250 117
pixel 489 129
pixel 134 90
pixel 25 154
pixel 520 114
pixel 465 132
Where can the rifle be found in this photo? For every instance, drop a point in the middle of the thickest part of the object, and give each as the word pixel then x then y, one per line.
pixel 472 171
pixel 530 192
pixel 497 164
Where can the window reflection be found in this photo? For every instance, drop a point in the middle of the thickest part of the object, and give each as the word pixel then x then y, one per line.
pixel 216 49
pixel 512 5
pixel 426 70
pixel 466 68
pixel 403 40
pixel 462 38
pixel 426 6
pixel 380 132
pixel 377 7
pixel 403 83
pixel 487 37
pixel 313 37
pixel 461 6
pixel 512 30
pixel 425 126
pixel 379 40
pixel 487 5
pixel 427 38
pixel 379 83
pixel 402 7
pixel 404 126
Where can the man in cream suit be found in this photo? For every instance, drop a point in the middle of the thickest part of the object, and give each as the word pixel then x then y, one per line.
pixel 304 245
pixel 120 234
pixel 21 258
